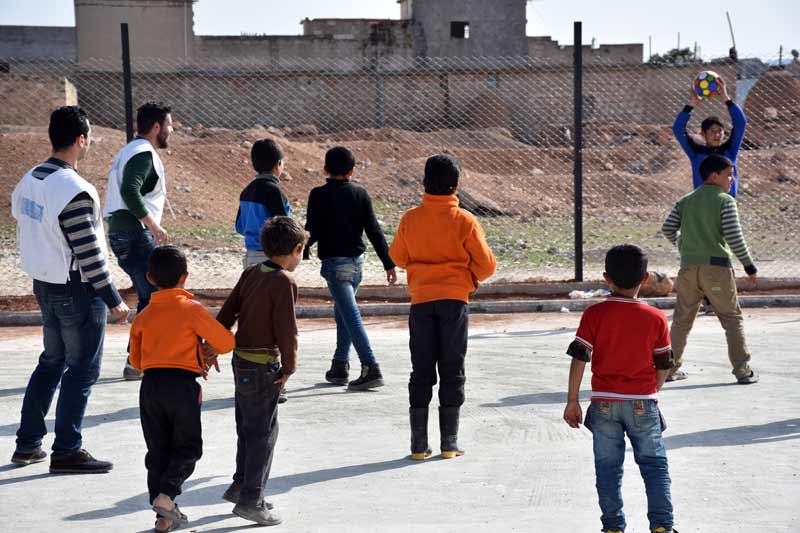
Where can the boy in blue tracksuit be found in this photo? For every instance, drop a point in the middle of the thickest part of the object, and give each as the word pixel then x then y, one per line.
pixel 261 199
pixel 713 132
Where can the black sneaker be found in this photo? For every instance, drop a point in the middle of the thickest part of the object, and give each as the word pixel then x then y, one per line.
pixel 339 374
pixel 28 458
pixel 233 493
pixel 282 398
pixel 79 462
pixel 260 514
pixel 748 380
pixel 371 378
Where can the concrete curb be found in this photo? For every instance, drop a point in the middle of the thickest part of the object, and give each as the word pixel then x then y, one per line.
pixel 34 318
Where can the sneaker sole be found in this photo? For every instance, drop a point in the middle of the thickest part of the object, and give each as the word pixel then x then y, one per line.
pixel 132 377
pixel 251 519
pixel 374 384
pixel 230 499
pixel 451 455
pixel 26 462
pixel 79 471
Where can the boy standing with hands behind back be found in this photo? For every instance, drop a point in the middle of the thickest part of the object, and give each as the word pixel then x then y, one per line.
pixel 444 251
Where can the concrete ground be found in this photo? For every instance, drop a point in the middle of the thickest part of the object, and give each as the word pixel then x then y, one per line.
pixel 341 463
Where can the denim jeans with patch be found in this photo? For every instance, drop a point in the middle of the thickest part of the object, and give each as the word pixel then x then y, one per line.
pixel 343 275
pixel 642 422
pixel 74 320
pixel 132 249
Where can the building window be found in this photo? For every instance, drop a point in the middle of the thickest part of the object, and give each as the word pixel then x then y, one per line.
pixel 459 30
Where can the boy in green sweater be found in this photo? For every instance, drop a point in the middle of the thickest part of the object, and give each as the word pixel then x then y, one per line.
pixel 705 226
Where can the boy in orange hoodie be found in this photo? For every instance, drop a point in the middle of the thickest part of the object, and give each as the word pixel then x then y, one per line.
pixel 165 345
pixel 444 251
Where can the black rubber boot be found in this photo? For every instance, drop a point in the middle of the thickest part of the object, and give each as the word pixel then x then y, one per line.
pixel 371 378
pixel 419 433
pixel 448 429
pixel 339 373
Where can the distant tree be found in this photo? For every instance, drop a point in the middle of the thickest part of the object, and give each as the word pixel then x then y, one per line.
pixel 675 56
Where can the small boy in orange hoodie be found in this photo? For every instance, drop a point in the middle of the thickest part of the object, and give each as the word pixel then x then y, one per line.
pixel 444 251
pixel 165 344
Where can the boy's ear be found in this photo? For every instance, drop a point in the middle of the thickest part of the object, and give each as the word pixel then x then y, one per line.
pixel 299 247
pixel 182 281
pixel 645 278
pixel 150 279
pixel 350 174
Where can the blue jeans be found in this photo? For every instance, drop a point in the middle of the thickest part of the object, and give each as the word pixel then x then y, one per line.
pixel 132 249
pixel 343 275
pixel 74 320
pixel 641 421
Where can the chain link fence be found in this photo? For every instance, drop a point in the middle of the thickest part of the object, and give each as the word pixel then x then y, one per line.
pixel 508 120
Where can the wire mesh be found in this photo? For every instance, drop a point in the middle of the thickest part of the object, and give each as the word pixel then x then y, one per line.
pixel 508 120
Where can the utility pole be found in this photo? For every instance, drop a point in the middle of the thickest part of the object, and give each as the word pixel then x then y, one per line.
pixel 679 40
pixel 649 47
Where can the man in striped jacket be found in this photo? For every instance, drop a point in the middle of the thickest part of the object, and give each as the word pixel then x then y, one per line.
pixel 62 248
pixel 704 225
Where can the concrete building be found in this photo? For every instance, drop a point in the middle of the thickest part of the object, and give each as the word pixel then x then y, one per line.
pixel 164 29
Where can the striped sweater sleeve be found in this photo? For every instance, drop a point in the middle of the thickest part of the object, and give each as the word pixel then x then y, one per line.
pixel 732 232
pixel 77 223
pixel 672 225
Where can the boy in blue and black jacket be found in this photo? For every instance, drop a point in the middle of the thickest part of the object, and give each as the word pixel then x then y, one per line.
pixel 261 199
pixel 713 134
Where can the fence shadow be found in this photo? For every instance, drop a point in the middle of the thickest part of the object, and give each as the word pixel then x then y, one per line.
pixel 211 495
pixel 128 413
pixel 737 436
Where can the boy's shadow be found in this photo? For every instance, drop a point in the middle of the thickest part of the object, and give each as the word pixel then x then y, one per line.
pixel 212 495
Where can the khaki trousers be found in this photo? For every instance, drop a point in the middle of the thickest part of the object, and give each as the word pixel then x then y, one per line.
pixel 718 284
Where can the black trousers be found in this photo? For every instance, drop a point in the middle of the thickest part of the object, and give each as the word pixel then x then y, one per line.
pixel 256 426
pixel 169 408
pixel 438 338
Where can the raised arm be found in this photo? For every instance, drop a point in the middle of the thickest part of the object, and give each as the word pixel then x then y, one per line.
pixel 681 121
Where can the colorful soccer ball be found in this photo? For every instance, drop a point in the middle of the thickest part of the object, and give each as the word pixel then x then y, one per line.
pixel 706 84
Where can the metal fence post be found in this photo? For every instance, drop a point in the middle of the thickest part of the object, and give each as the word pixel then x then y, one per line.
pixel 578 144
pixel 126 80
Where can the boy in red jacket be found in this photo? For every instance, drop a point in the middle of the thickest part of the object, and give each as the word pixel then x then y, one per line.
pixel 444 251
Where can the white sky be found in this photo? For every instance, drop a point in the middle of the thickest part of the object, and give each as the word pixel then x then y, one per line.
pixel 760 26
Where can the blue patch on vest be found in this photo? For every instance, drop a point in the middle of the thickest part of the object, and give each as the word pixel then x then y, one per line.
pixel 32 209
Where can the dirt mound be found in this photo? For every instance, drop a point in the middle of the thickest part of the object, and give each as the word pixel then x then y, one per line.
pixel 773 110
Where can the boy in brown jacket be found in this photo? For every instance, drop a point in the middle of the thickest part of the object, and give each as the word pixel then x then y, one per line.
pixel 444 251
pixel 263 302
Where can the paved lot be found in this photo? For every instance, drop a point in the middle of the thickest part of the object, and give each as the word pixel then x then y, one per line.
pixel 341 460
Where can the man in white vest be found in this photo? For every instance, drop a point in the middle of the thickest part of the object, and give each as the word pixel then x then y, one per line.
pixel 62 247
pixel 135 202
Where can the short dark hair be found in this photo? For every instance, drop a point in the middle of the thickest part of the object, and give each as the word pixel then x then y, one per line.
pixel 711 121
pixel 66 125
pixel 166 265
pixel 626 265
pixel 441 174
pixel 265 154
pixel 713 164
pixel 339 161
pixel 149 114
pixel 281 235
